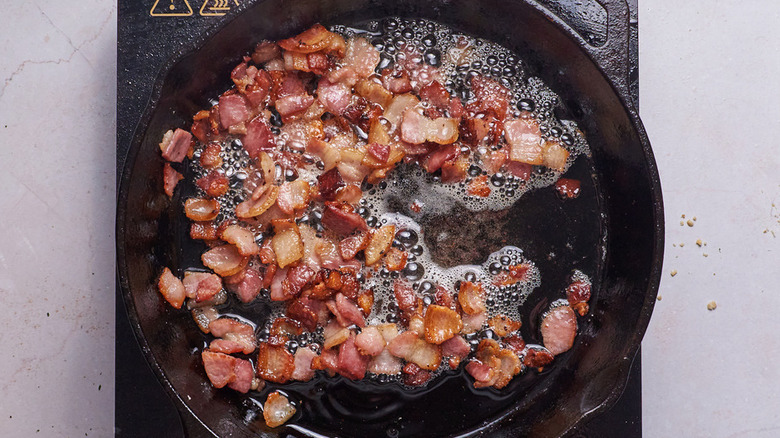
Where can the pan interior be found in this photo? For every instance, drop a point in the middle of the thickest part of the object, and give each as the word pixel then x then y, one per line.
pixel 616 201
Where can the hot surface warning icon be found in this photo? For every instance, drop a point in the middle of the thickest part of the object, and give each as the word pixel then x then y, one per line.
pixel 171 8
pixel 217 7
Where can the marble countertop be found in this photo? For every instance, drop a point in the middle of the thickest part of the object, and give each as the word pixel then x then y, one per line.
pixel 709 94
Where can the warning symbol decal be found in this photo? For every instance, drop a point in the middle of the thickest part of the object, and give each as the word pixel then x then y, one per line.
pixel 216 7
pixel 171 8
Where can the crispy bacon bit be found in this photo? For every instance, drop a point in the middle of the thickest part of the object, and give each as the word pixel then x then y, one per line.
pixel 370 341
pixel 170 179
pixel 274 363
pixel 559 327
pixel 203 231
pixel 342 219
pixel 199 209
pixel 380 242
pixel 491 97
pixel 441 323
pixel 171 288
pixel 277 409
pixel 366 301
pixel 203 316
pixel 414 375
pixel 175 145
pixel 512 275
pixel 297 278
pixel 502 364
pixel 537 358
pixel 209 157
pixel 201 286
pixel 306 311
pixel 225 260
pixel 286 243
pixel 479 186
pixel 471 297
pixel 578 294
pixel 515 343
pixel 315 39
pixel 436 95
pixel 236 331
pixel 329 183
pixel 568 188
pixel 261 200
pixel 524 139
pixel 503 325
pixel 395 259
pixel 215 184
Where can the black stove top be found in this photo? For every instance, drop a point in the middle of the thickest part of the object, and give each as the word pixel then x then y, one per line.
pixel 149 33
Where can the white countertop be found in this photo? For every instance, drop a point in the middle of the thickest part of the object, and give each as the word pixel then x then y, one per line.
pixel 709 100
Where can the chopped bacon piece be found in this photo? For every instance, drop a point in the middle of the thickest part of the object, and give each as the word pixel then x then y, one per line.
pixel 342 219
pixel 285 328
pixel 444 298
pixel 222 370
pixel 366 301
pixel 396 81
pixel 471 297
pixel 385 363
pixel 215 184
pixel 490 96
pixel 265 51
pixel 293 195
pixel 335 334
pixel 413 349
pixel 303 359
pixel 224 346
pixel 380 242
pixel 233 110
pixel 171 288
pixel 414 375
pixel 362 57
pixel 306 311
pixel 578 294
pixel 512 275
pixel 455 170
pixel 456 348
pixel 290 105
pixel 251 284
pixel 559 327
pixel 380 152
pixel 568 188
pixel 482 373
pixel 555 156
pixel 515 343
pixel 441 323
pixel 524 139
pixel 374 92
pixel 329 183
pixel 315 39
pixel 274 363
pixel 225 260
pixel 479 186
pixel 351 245
pixel 230 329
pixel 328 361
pixel 519 170
pixel 201 286
pixel 352 364
pixel 170 179
pixel 346 311
pixel 261 200
pixel 434 160
pixel 537 358
pixel 334 97
pixel 242 238
pixel 204 316
pixel 209 157
pixel 199 209
pixel 436 95
pixel 286 243
pixel 405 296
pixel 297 277
pixel 258 137
pixel 503 325
pixel 203 231
pixel 277 409
pixel 414 126
pixel 175 145
pixel 473 323
pixel 370 341
pixel 503 363
pixel 395 259
pixel 494 160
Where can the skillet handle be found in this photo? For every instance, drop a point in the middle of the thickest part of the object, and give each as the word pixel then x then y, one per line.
pixel 613 55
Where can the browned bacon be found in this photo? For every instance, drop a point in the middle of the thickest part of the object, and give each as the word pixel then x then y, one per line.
pixel 171 288
pixel 170 179
pixel 275 363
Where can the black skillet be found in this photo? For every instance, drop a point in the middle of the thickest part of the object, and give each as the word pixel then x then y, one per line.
pixel 613 232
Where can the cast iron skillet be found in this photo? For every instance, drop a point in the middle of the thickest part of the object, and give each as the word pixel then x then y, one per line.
pixel 613 232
